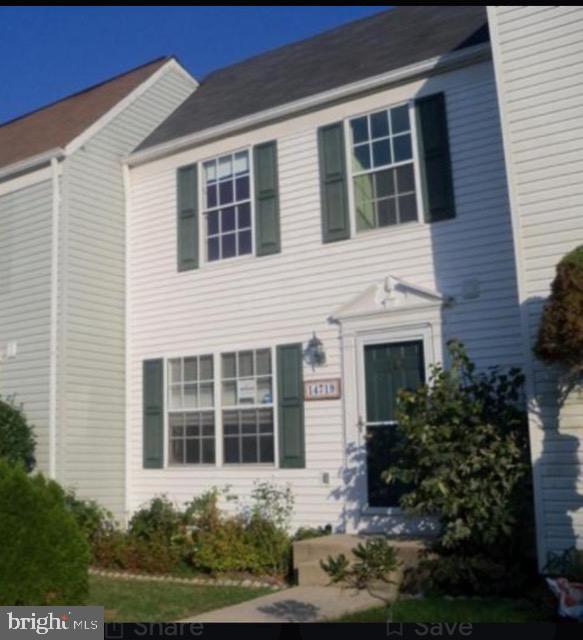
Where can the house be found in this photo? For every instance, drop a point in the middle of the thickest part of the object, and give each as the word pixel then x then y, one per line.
pixel 62 268
pixel 306 231
pixel 539 58
pixel 277 246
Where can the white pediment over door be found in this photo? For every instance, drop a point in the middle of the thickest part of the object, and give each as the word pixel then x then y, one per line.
pixel 391 294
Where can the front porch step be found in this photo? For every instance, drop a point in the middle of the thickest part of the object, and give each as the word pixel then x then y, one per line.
pixel 307 555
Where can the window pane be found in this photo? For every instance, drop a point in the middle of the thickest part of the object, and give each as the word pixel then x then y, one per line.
pixel 250 453
pixel 244 212
pixel 175 370
pixel 361 159
pixel 248 422
pixel 176 397
pixel 264 391
pixel 381 152
pixel 229 394
pixel 177 452
pixel 192 451
pixel 359 129
pixel 190 370
pixel 242 188
pixel 208 423
pixel 379 123
pixel 225 167
pixel 244 242
pixel 206 368
pixel 213 249
pixel 228 365
pixel 231 449
pixel 385 183
pixel 228 219
pixel 231 422
pixel 402 148
pixel 228 245
pixel 192 425
pixel 265 419
pixel 190 396
pixel 213 223
pixel 241 162
pixel 211 196
pixel 208 451
pixel 266 449
pixel 226 192
pixel 245 364
pixel 405 178
pixel 210 170
pixel 206 395
pixel 387 212
pixel 407 208
pixel 365 218
pixel 176 424
pixel 400 119
pixel 263 360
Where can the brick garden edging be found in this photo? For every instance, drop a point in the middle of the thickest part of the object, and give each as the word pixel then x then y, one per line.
pixel 206 582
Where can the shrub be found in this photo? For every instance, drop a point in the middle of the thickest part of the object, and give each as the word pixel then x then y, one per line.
pixel 93 520
pixel 560 336
pixel 159 519
pixel 464 455
pixel 306 533
pixel 16 435
pixel 43 554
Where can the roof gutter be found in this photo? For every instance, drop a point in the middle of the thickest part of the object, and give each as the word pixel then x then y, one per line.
pixel 33 162
pixel 470 55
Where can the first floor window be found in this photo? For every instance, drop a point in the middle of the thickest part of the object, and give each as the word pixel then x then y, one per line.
pixel 247 401
pixel 382 161
pixel 191 419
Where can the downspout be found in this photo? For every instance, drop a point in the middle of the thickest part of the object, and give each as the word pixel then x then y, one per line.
pixel 127 457
pixel 54 318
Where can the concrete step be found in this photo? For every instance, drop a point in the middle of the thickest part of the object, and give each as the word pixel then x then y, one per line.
pixel 307 555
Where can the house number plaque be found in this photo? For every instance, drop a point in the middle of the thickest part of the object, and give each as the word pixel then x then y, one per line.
pixel 322 389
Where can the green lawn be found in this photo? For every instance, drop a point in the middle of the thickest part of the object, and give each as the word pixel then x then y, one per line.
pixel 133 601
pixel 454 610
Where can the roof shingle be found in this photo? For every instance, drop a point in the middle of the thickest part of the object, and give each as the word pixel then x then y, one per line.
pixel 384 42
pixel 61 122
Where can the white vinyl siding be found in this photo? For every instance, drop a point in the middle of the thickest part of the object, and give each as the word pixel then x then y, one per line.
pixel 284 298
pixel 25 304
pixel 539 65
pixel 92 298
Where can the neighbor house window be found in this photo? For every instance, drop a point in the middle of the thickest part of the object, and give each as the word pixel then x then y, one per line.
pixel 191 418
pixel 227 206
pixel 247 402
pixel 383 172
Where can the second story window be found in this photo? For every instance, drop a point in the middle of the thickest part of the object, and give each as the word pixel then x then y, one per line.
pixel 227 206
pixel 383 171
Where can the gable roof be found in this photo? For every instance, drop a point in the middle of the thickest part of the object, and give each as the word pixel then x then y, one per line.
pixel 356 51
pixel 59 123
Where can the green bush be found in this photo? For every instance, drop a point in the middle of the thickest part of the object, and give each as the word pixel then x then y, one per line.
pixel 16 435
pixel 93 520
pixel 307 533
pixel 560 336
pixel 464 453
pixel 158 519
pixel 44 556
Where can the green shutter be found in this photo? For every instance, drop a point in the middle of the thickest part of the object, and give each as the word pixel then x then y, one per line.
pixel 153 421
pixel 290 383
pixel 187 222
pixel 435 158
pixel 266 199
pixel 335 222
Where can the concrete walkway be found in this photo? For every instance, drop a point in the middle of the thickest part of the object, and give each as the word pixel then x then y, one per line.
pixel 298 604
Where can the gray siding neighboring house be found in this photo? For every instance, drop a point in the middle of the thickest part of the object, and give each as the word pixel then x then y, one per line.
pixel 538 53
pixel 62 283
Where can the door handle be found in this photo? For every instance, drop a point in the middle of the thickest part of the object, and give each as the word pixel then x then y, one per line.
pixel 360 424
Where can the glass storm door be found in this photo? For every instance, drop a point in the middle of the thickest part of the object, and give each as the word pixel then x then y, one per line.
pixel 388 368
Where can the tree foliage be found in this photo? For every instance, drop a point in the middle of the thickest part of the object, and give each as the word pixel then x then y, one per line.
pixel 560 336
pixel 16 435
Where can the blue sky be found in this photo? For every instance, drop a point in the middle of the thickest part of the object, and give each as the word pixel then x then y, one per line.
pixel 50 52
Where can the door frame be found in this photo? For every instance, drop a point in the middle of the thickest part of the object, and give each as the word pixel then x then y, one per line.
pixel 420 333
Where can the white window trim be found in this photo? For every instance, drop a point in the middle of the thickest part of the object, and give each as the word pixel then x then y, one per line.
pixel 202 236
pixel 218 412
pixel 354 233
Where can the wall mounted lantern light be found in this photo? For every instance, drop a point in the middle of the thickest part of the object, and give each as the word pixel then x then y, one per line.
pixel 314 354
